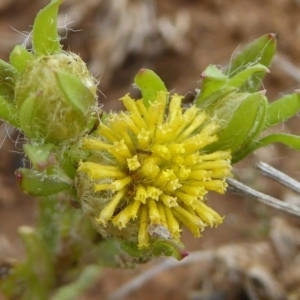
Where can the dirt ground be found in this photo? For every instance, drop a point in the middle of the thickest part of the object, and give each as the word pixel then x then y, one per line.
pixel 255 253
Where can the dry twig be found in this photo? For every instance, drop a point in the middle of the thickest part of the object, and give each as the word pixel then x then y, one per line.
pixel 280 177
pixel 241 189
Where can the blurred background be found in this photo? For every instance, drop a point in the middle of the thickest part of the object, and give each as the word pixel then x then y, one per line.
pixel 256 250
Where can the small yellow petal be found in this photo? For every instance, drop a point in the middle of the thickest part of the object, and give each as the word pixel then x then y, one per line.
pixel 172 223
pixel 108 133
pixel 140 104
pixel 192 222
pixel 144 139
pixel 198 141
pixel 215 185
pixel 153 192
pixel 121 183
pixel 162 98
pixel 119 125
pixel 174 107
pixel 191 159
pixel 141 194
pixel 221 173
pixel 195 124
pixel 163 133
pixel 97 171
pixel 130 125
pixel 122 149
pixel 208 215
pixel 211 165
pixel 133 163
pixel 131 105
pixel 162 151
pixel 164 177
pixel 187 199
pixel 153 212
pixel 103 187
pixel 108 211
pixel 150 168
pixel 183 172
pixel 195 191
pixel 143 236
pixel 176 148
pixel 94 144
pixel 163 219
pixel 152 115
pixel 128 213
pixel 168 200
pixel 173 185
pixel 199 175
pixel 215 156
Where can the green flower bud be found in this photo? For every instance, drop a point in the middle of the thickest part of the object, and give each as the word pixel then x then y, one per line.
pixel 56 96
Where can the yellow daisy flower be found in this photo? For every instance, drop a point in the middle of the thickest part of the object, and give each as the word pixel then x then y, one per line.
pixel 148 174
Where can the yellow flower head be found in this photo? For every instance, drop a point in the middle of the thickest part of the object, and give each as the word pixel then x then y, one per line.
pixel 148 174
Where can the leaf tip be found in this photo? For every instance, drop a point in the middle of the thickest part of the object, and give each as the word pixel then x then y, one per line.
pixel 203 75
pixel 184 254
pixel 19 177
pixel 142 71
pixel 272 36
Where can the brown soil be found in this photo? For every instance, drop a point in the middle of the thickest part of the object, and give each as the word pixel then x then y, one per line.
pixel 204 32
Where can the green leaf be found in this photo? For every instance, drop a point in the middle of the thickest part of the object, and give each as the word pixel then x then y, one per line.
pixel 217 97
pixel 45 183
pixel 256 130
pixel 149 83
pixel 223 107
pixel 27 116
pixel 282 109
pixel 260 117
pixel 7 80
pixel 242 77
pixel 75 92
pixel 9 113
pixel 38 154
pixel 168 248
pixel 19 58
pixel 242 126
pixel 45 38
pixel 260 51
pixel 213 81
pixel 216 85
pixel 290 140
pixel 132 249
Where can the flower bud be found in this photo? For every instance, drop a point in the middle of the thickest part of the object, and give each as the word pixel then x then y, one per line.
pixel 56 96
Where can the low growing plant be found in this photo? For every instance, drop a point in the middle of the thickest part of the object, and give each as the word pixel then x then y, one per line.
pixel 119 186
